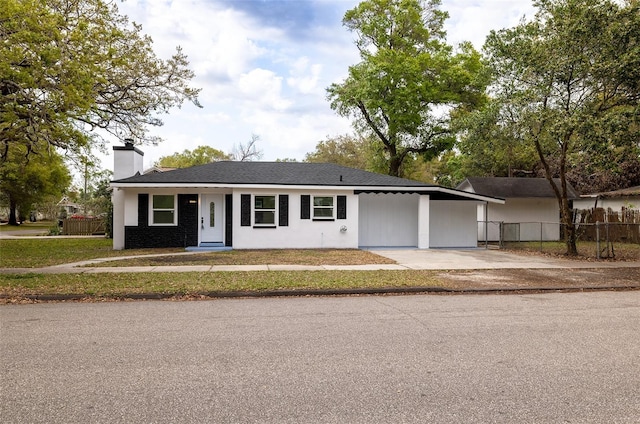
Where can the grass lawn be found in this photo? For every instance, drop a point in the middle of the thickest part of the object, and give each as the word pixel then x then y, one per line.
pixel 261 257
pixel 44 226
pixel 15 287
pixel 47 251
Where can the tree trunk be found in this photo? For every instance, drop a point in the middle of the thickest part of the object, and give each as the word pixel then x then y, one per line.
pixel 570 229
pixel 12 212
pixel 394 166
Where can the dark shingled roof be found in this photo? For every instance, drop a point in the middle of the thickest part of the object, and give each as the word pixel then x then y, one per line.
pixel 515 187
pixel 629 191
pixel 273 173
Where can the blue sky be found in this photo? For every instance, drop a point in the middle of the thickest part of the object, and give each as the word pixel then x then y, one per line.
pixel 264 65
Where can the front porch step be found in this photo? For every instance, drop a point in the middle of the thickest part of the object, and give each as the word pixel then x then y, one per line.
pixel 209 247
pixel 211 244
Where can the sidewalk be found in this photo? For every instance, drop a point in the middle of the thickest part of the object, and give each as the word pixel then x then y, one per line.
pixel 406 259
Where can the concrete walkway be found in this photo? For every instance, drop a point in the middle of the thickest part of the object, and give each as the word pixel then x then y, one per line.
pixel 412 259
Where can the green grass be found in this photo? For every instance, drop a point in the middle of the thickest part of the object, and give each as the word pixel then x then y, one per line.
pixel 40 225
pixel 16 287
pixel 47 251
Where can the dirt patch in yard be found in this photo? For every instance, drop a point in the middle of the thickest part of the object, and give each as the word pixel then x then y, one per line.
pixel 542 278
pixel 259 257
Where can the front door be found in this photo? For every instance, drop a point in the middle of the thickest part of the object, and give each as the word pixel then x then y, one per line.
pixel 211 225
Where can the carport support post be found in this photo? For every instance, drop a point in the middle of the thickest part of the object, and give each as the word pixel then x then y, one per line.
pixel 597 239
pixel 486 225
pixel 541 236
pixel 424 204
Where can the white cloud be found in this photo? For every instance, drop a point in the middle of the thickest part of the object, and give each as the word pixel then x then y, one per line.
pixel 258 77
pixel 262 90
pixel 472 20
pixel 304 76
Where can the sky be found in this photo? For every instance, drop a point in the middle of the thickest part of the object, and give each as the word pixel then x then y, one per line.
pixel 264 66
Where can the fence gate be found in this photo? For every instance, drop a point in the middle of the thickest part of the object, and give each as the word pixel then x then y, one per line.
pixel 83 226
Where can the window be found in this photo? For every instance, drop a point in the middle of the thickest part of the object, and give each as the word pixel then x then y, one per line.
pixel 163 209
pixel 322 207
pixel 264 209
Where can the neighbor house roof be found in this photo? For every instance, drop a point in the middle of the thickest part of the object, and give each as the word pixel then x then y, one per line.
pixel 506 188
pixel 629 191
pixel 292 174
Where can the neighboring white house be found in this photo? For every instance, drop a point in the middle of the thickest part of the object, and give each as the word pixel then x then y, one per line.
pixel 627 198
pixel 68 206
pixel 530 211
pixel 248 205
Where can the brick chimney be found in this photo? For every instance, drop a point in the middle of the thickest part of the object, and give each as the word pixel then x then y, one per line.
pixel 127 160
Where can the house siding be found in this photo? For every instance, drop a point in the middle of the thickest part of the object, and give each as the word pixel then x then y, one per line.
pixel 184 234
pixel 536 218
pixel 389 220
pixel 297 231
pixel 452 224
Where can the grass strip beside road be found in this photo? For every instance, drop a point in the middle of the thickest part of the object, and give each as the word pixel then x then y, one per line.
pixel 17 287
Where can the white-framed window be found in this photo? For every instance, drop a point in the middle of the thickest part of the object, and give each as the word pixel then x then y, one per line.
pixel 163 209
pixel 264 210
pixel 323 207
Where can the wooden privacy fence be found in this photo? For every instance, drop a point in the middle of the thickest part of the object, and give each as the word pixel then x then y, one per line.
pixel 608 225
pixel 83 226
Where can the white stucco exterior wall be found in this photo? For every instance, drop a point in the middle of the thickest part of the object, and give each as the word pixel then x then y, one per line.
pixel 117 198
pixel 300 233
pixel 529 213
pixel 424 213
pixel 453 224
pixel 388 219
pixel 127 161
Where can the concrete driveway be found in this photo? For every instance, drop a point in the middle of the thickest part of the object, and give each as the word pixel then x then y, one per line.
pixel 436 259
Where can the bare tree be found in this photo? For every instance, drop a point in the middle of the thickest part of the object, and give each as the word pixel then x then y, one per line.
pixel 247 152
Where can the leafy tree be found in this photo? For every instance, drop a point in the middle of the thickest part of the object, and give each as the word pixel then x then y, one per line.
pixel 366 153
pixel 24 183
pixel 198 156
pixel 571 80
pixel 69 67
pixel 489 145
pixel 347 150
pixel 408 80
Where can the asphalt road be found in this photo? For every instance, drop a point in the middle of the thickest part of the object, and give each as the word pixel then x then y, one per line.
pixel 548 358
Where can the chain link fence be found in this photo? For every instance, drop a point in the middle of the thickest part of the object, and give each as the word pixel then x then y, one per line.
pixel 598 240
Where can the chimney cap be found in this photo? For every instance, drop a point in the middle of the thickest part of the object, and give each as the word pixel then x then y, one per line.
pixel 128 145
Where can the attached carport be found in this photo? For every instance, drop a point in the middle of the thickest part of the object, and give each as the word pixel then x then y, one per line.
pixel 436 217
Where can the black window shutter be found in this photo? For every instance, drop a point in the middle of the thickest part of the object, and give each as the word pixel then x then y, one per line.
pixel 342 207
pixel 245 210
pixel 305 206
pixel 228 220
pixel 143 210
pixel 283 210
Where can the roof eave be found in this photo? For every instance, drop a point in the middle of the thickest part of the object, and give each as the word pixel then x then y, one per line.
pixel 361 188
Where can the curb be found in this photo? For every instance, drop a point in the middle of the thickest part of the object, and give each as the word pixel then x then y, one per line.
pixel 322 293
